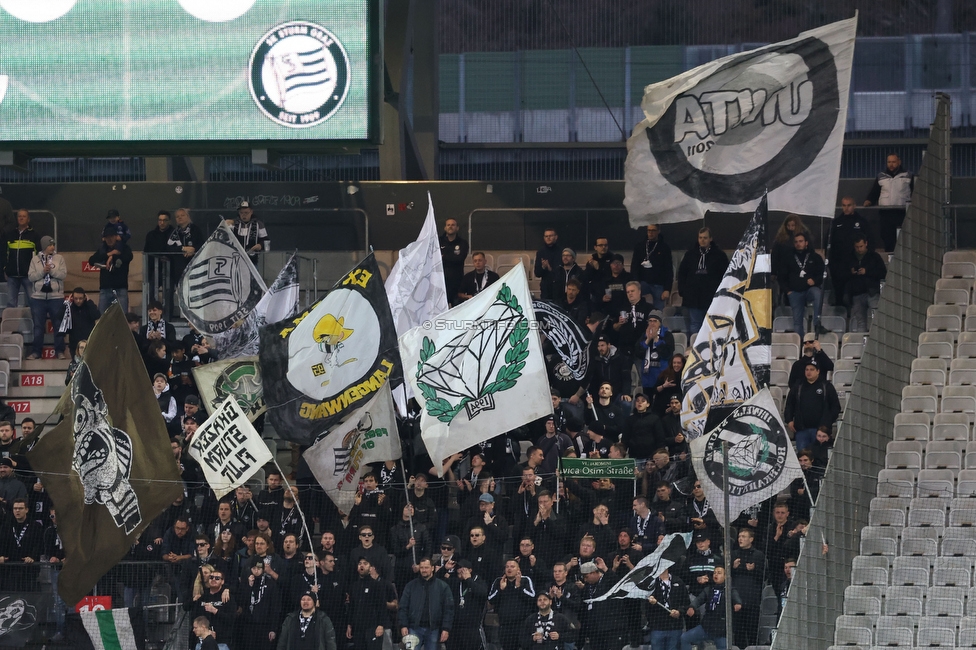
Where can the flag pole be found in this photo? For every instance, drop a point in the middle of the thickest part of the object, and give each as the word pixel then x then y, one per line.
pixel 728 544
pixel 406 491
pixel 302 515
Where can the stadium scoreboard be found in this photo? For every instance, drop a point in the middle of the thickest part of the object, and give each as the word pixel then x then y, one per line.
pixel 157 71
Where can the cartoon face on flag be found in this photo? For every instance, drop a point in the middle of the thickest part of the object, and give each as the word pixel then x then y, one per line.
pixel 317 367
pixel 220 287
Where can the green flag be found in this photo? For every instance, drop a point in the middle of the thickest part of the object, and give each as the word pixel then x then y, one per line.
pixel 107 465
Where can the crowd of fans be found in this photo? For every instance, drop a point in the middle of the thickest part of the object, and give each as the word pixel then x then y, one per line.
pixel 491 543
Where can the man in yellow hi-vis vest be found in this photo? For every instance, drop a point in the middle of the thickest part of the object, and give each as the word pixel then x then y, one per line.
pixel 21 244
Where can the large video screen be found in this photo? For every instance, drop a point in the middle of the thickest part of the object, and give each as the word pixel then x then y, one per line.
pixel 177 70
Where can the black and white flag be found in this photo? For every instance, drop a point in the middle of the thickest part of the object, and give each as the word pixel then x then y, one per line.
pixel 565 335
pixel 639 582
pixel 761 463
pixel 717 137
pixel 325 363
pixel 18 619
pixel 220 287
pixel 729 361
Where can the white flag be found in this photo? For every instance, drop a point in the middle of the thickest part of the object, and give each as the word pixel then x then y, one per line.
pixel 415 286
pixel 717 137
pixel 639 581
pixel 761 457
pixel 340 458
pixel 220 286
pixel 477 370
pixel 228 448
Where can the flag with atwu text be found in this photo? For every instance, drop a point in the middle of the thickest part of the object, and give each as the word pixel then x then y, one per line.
pixel 717 137
pixel 477 370
pixel 761 460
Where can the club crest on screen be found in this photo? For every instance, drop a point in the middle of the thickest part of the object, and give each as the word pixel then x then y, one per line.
pixel 299 74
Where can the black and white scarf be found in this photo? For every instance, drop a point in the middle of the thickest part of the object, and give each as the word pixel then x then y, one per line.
pixel 156 326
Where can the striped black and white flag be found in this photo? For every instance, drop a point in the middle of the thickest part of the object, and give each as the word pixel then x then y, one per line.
pixel 729 362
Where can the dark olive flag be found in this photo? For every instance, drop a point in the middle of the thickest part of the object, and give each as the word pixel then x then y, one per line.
pixel 325 363
pixel 107 465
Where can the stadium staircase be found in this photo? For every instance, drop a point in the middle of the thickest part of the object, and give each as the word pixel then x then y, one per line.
pixel 912 584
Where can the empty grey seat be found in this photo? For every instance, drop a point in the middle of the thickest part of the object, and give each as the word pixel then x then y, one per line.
pixel 888 517
pixel 904 459
pixel 903 605
pixel 926 517
pixel 957 547
pixel 869 561
pixel 926 547
pixel 935 483
pixel 911 431
pixel 870 576
pixel 931 532
pixel 862 591
pixel 852 630
pixel 966 485
pixel 895 631
pixel 945 601
pixel 936 631
pixel 917 576
pixel 867 607
pixel 896 483
pixel 879 546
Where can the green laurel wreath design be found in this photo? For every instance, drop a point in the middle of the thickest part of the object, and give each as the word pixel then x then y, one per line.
pixel 505 378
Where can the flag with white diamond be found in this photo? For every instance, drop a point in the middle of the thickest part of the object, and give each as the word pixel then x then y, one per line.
pixel 717 137
pixel 415 286
pixel 729 361
pixel 279 303
pixel 478 370
pixel 340 458
pixel 220 285
pixel 761 464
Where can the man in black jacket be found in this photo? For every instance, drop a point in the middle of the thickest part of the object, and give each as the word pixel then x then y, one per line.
pixel 612 366
pixel 668 600
pixel 112 261
pixel 599 622
pixel 699 275
pixel 477 280
pixel 426 607
pixel 811 350
pixel 748 569
pixel 470 593
pixel 802 276
pixel 547 258
pixel 811 404
pixel 21 244
pixel 867 272
pixel 307 629
pixel 370 601
pixel 211 605
pixel 454 250
pixel 546 629
pixel 554 286
pixel 512 596
pixel 847 227
pixel 653 266
pixel 711 601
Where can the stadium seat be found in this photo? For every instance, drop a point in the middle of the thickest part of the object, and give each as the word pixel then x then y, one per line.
pixel 935 483
pixel 851 350
pixel 859 591
pixel 920 547
pixel 937 350
pixel 962 512
pixel 938 503
pixel 872 576
pixel 952 296
pixel 785 351
pixel 943 460
pixel 966 350
pixel 951 431
pixel 872 561
pixel 903 605
pixel 837 324
pixel 930 364
pixel 895 631
pixel 843 380
pixel 909 576
pixel 911 431
pixel 959 270
pixel 905 445
pixel 943 323
pixel 945 601
pixel 870 608
pixel 852 630
pixel 959 256
pixel 780 378
pixel 927 404
pixel 967 632
pixel 879 546
pixel 904 459
pixel 962 377
pixel 783 324
pixel 966 487
pixel 957 547
pixel 896 483
pixel 887 517
pixel 958 404
pixel 936 631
